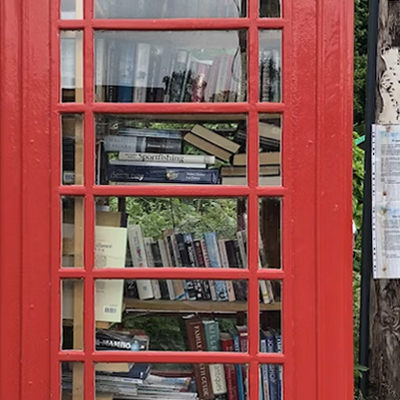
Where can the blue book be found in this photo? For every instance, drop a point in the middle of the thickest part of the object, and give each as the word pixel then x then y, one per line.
pixel 126 52
pixel 215 262
pixel 278 338
pixel 238 367
pixel 264 368
pixel 156 133
pixel 272 370
pixel 136 173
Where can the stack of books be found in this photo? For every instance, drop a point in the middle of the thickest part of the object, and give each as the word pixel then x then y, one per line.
pixel 218 381
pixel 155 156
pixel 183 250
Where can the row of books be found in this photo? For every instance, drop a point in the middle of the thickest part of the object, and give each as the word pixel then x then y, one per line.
pixel 152 9
pixel 182 250
pixel 230 382
pixel 155 156
pixel 129 71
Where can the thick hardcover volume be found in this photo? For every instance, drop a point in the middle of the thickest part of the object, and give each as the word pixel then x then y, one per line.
pixel 239 369
pixel 272 370
pixel 225 264
pixel 138 253
pixel 238 286
pixel 193 262
pixel 166 263
pixel 150 263
pixel 169 240
pixel 142 144
pixel 207 263
pixel 217 372
pixel 215 262
pixel 278 338
pixel 158 263
pixel 129 173
pixel 205 284
pixel 184 262
pixel 230 370
pixel 197 342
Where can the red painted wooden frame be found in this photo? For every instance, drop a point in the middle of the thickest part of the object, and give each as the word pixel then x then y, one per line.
pixel 316 198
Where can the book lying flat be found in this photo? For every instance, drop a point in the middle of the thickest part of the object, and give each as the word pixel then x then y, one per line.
pixel 267 158
pixel 207 147
pixel 242 180
pixel 169 158
pixel 157 164
pixel 264 170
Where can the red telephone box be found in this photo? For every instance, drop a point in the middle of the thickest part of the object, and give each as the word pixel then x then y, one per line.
pixel 176 180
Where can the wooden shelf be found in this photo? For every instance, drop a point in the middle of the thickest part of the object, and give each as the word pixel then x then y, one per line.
pixel 168 306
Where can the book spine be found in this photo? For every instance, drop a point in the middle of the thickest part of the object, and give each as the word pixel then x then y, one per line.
pixel 155 65
pixel 207 264
pixel 190 250
pixel 243 340
pixel 150 263
pixel 142 144
pixel 178 76
pixel 169 158
pixel 272 373
pixel 278 338
pixel 100 69
pixel 158 263
pixel 264 368
pixel 242 247
pixel 157 164
pixel 205 284
pixel 239 370
pixel 125 72
pixel 179 289
pixel 238 286
pixel 225 264
pixel 197 342
pixel 138 254
pixel 217 372
pixel 184 262
pixel 153 133
pixel 128 173
pixel 166 263
pixel 111 92
pixel 141 72
pixel 230 371
pixel 213 255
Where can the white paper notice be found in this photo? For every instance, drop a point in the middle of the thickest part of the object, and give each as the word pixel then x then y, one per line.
pixel 386 201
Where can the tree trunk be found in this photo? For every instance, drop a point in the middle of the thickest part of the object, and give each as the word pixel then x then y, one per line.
pixel 385 294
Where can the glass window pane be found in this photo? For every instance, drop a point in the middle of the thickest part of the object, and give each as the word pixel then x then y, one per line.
pixel 72 381
pixel 171 66
pixel 270 8
pixel 270 66
pixel 270 232
pixel 71 66
pixel 270 138
pixel 171 149
pixel 155 9
pixel 71 9
pixel 72 232
pixel 173 381
pixel 72 149
pixel 72 314
pixel 271 379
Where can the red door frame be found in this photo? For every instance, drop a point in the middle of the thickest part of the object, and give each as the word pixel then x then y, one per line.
pixel 317 238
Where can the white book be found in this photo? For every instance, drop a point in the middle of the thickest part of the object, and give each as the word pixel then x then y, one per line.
pixel 110 252
pixel 169 158
pixel 139 260
pixel 68 62
pixel 157 164
pixel 150 263
pixel 141 72
pixel 166 263
pixel 225 264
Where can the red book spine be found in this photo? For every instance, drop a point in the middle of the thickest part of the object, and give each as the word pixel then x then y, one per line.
pixel 230 371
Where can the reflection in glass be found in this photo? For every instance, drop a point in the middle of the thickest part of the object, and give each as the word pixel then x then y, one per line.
pixel 71 9
pixel 171 149
pixel 270 232
pixel 72 381
pixel 270 65
pixel 72 149
pixel 155 9
pixel 71 66
pixel 270 138
pixel 170 67
pixel 72 232
pixel 270 8
pixel 72 314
